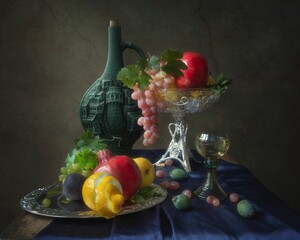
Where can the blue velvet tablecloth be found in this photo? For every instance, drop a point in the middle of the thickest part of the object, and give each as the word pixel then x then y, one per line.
pixel 274 219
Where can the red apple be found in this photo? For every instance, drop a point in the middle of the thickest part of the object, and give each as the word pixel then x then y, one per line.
pixel 196 74
pixel 123 168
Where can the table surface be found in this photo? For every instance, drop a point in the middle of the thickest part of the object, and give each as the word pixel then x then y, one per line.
pixel 276 220
pixel 26 226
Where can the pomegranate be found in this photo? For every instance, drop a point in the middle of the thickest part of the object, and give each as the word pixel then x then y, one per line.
pixel 104 154
pixel 196 74
pixel 121 167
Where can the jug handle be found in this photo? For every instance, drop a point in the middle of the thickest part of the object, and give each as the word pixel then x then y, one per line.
pixel 134 47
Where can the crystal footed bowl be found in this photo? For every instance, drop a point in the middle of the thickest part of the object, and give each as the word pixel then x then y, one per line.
pixel 180 103
pixel 188 100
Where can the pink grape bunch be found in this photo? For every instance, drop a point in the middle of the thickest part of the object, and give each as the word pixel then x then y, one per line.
pixel 147 102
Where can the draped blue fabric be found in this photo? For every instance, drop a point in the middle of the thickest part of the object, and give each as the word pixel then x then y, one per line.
pixel 274 219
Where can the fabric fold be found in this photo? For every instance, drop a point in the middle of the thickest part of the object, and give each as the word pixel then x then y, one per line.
pixel 205 221
pixel 274 219
pixel 144 225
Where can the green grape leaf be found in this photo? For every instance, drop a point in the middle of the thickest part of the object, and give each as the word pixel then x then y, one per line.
pixel 143 80
pixel 154 62
pixel 134 74
pixel 222 84
pixel 129 75
pixel 169 55
pixel 71 156
pixel 220 77
pixel 174 68
pixel 145 193
pixel 143 63
pixel 93 145
pixel 88 141
pixel 174 65
pixel 137 199
pixel 86 159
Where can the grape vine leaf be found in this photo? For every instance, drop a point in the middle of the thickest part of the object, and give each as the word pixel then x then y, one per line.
pixel 90 142
pixel 145 193
pixel 171 55
pixel 134 74
pixel 129 75
pixel 71 156
pixel 86 159
pixel 154 62
pixel 174 65
pixel 222 83
pixel 169 62
pixel 86 143
pixel 143 80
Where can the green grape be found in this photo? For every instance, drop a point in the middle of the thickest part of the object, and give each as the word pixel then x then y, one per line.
pixel 86 173
pixel 178 174
pixel 182 202
pixel 76 167
pixel 62 177
pixel 87 166
pixel 83 158
pixel 69 164
pixel 63 170
pixel 70 170
pixel 246 209
pixel 46 202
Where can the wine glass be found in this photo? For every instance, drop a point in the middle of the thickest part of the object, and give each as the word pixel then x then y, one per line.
pixel 211 146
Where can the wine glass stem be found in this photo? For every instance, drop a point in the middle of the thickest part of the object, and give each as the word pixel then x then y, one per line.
pixel 210 186
pixel 211 178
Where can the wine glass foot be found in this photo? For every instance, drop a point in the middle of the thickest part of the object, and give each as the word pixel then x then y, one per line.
pixel 203 192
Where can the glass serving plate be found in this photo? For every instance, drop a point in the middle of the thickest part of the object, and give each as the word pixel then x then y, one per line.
pixel 63 208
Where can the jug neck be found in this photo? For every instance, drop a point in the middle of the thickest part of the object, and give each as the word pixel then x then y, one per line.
pixel 114 55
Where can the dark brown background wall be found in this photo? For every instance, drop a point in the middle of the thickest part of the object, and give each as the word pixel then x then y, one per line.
pixel 51 51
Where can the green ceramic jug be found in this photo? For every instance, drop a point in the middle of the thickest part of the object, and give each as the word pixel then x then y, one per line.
pixel 107 109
